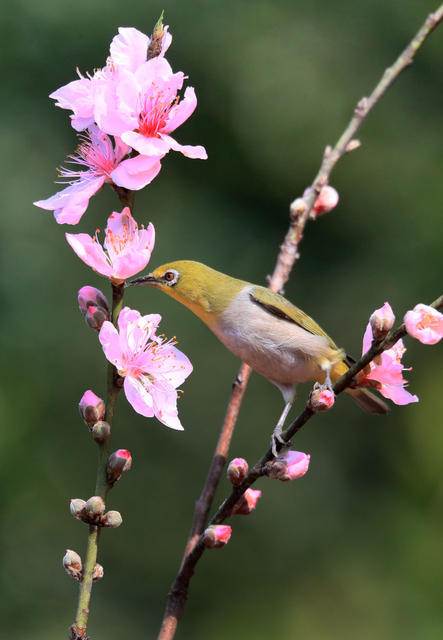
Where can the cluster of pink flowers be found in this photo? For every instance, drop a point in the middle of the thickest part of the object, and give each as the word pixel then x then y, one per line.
pixel 126 112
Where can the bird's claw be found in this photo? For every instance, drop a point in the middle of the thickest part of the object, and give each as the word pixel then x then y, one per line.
pixel 277 438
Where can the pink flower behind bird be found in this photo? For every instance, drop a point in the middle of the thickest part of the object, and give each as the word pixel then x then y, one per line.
pixel 424 323
pixel 386 371
pixel 126 250
pixel 152 367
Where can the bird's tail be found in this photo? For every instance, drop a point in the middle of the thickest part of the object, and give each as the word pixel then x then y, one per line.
pixel 368 400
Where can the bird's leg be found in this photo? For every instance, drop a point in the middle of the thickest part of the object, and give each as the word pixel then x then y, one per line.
pixel 276 434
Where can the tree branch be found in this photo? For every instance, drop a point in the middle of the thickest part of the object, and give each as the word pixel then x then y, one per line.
pixel 286 259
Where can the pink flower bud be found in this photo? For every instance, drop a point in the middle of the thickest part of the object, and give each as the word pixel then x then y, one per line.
pixel 94 307
pixel 321 399
pixel 77 507
pixel 237 471
pixel 101 430
pixel 112 519
pixel 118 462
pixel 98 572
pixel 288 466
pixel 92 408
pixel 327 200
pixel 246 503
pixel 424 323
pixel 382 321
pixel 216 536
pixel 94 507
pixel 73 564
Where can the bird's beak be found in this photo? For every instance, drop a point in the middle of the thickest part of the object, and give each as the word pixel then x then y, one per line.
pixel 149 281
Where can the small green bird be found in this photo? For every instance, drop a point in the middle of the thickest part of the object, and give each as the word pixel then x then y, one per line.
pixel 262 328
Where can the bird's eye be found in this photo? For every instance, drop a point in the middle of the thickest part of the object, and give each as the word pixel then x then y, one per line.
pixel 169 276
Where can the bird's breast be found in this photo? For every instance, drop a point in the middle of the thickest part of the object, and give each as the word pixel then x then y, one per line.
pixel 280 350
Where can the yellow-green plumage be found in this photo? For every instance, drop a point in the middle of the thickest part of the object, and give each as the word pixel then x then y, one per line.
pixel 261 327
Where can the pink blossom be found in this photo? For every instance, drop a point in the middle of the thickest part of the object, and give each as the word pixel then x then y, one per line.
pixel 151 366
pixel 94 307
pixel 321 398
pixel 424 323
pixel 289 465
pixel 246 503
pixel 97 153
pixel 217 536
pixel 386 372
pixel 127 249
pixel 382 321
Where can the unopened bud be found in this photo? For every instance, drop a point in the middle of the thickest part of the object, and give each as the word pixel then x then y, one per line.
pixel 98 572
pixel 73 564
pixel 321 399
pixel 112 519
pixel 155 46
pixel 382 321
pixel 92 408
pixel 118 462
pixel 246 503
pixel 94 307
pixel 216 536
pixel 326 200
pixel 95 507
pixel 237 471
pixel 298 207
pixel 77 507
pixel 101 430
pixel 288 466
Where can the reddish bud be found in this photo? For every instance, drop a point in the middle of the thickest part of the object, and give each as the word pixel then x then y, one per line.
pixel 288 466
pixel 94 507
pixel 326 200
pixel 73 564
pixel 101 430
pixel 118 462
pixel 237 471
pixel 98 572
pixel 246 503
pixel 321 399
pixel 382 321
pixel 77 507
pixel 94 307
pixel 92 408
pixel 216 536
pixel 112 519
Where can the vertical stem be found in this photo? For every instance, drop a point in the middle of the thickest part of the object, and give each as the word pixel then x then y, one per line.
pixel 78 629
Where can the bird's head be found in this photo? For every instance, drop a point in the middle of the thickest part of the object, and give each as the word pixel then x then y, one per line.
pixel 203 290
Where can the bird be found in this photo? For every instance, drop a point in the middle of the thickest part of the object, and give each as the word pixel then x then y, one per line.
pixel 273 336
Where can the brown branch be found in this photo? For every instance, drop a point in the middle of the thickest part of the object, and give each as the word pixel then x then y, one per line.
pixel 287 257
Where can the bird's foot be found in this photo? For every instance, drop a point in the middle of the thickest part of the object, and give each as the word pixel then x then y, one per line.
pixel 276 439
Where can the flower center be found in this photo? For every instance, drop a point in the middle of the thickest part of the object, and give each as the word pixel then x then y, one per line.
pixel 427 321
pixel 155 111
pixel 96 153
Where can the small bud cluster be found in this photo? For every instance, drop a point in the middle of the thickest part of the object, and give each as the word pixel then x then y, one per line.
pixel 94 307
pixel 289 465
pixel 217 536
pixel 92 511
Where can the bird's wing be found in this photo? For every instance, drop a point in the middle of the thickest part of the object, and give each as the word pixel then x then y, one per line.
pixel 278 306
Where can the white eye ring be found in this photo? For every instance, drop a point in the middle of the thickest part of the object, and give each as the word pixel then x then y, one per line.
pixel 170 277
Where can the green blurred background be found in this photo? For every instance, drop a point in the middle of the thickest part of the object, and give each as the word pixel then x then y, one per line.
pixel 352 550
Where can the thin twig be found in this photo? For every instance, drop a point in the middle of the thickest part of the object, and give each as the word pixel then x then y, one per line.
pixel 287 257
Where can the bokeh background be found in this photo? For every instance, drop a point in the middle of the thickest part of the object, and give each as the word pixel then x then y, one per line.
pixel 352 550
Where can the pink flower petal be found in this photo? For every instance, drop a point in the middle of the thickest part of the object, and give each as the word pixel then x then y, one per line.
pixel 76 96
pixel 144 145
pixel 110 341
pixel 136 173
pixel 181 111
pixel 187 150
pixel 138 397
pixel 90 251
pixel 129 48
pixel 70 204
pixel 115 98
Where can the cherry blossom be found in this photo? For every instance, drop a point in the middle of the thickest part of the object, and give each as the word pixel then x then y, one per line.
pixel 126 249
pixel 386 371
pixel 424 323
pixel 152 367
